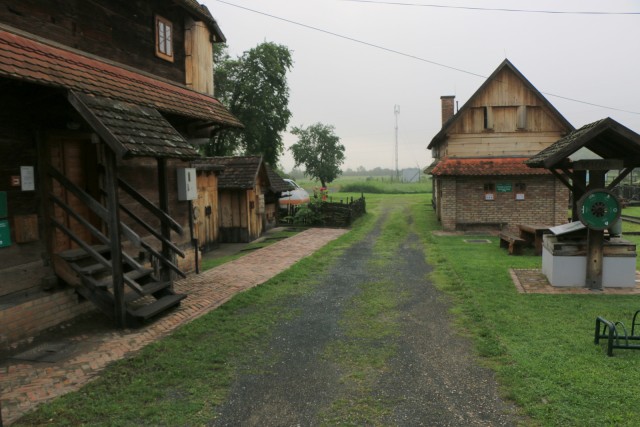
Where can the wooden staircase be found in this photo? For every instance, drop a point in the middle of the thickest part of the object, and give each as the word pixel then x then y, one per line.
pixel 117 283
pixel 145 297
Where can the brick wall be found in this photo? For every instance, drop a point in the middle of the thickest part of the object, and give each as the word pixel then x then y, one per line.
pixel 447 202
pixel 464 204
pixel 26 319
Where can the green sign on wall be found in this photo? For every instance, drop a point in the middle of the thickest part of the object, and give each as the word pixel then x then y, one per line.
pixel 5 233
pixel 3 204
pixel 504 187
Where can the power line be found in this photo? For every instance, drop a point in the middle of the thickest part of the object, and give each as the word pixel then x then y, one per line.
pixel 488 9
pixel 407 55
pixel 353 39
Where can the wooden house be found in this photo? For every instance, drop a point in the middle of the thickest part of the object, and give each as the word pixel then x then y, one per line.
pixel 479 176
pixel 99 102
pixel 248 192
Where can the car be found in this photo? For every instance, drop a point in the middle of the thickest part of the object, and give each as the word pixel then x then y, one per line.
pixel 294 197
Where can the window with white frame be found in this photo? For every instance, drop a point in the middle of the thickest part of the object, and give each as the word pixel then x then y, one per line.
pixel 164 38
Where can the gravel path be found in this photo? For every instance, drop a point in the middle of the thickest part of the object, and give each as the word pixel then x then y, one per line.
pixel 433 379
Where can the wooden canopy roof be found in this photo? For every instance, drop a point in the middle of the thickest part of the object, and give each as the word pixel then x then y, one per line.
pixel 132 130
pixel 606 138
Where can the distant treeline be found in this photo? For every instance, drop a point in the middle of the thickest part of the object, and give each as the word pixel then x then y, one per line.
pixel 360 171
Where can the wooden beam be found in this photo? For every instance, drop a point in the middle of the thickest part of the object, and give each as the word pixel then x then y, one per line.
pixel 96 124
pixel 93 204
pixel 579 179
pixel 162 215
pixel 165 229
pixel 619 179
pixel 562 179
pixel 113 224
pixel 598 165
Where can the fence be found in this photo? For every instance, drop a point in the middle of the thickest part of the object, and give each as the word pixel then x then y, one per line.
pixel 329 213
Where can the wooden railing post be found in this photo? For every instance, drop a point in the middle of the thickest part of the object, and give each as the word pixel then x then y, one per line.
pixel 163 204
pixel 111 188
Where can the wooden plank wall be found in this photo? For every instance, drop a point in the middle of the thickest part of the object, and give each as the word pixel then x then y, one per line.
pixel 198 58
pixel 517 122
pixel 121 30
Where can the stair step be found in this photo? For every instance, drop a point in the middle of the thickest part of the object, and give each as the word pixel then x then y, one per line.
pixel 106 282
pixel 148 289
pixel 89 270
pixel 78 254
pixel 158 306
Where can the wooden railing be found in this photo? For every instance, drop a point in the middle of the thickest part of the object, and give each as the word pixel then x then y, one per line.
pixel 126 231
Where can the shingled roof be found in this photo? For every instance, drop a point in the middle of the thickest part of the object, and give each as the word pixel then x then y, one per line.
pixel 32 59
pixel 132 130
pixel 508 166
pixel 606 138
pixel 278 185
pixel 237 173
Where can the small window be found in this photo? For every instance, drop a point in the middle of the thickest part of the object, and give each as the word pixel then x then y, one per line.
pixel 521 190
pixel 488 118
pixel 489 191
pixel 164 39
pixel 522 117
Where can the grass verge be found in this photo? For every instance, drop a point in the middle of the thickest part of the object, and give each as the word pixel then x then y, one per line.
pixel 541 346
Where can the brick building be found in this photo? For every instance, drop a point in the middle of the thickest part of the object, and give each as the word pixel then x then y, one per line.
pixel 480 179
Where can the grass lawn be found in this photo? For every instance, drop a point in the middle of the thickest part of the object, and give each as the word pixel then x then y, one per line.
pixel 373 185
pixel 540 346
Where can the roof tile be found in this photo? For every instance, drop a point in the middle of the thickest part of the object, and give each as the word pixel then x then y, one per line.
pixel 484 167
pixel 39 62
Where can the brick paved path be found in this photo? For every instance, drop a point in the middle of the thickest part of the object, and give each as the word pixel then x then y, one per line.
pixel 24 385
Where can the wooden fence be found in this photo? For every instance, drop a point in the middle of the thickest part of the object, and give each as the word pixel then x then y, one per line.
pixel 343 213
pixel 328 213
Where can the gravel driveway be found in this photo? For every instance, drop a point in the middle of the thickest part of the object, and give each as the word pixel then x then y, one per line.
pixel 433 378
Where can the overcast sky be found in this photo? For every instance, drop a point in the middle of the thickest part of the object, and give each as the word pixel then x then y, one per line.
pixel 362 58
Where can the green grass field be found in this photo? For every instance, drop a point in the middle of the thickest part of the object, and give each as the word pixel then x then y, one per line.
pixel 540 346
pixel 373 185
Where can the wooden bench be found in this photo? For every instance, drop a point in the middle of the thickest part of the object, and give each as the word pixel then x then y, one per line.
pixel 513 243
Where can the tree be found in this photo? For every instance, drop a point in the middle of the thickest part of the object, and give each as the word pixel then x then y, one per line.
pixel 319 150
pixel 254 88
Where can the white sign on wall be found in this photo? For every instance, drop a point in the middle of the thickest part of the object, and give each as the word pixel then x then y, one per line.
pixel 27 179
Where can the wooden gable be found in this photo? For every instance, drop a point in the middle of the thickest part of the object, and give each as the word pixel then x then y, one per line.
pixel 506 117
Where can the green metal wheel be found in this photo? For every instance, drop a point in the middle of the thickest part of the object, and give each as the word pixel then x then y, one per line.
pixel 598 209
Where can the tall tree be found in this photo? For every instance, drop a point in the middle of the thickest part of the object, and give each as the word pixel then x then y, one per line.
pixel 254 88
pixel 319 150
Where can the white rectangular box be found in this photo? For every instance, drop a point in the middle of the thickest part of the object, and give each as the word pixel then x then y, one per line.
pixel 571 270
pixel 187 188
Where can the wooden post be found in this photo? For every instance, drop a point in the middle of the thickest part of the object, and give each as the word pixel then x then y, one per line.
pixel 163 204
pixel 111 189
pixel 580 176
pixel 595 241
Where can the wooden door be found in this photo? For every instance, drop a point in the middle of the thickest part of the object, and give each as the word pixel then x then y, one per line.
pixel 205 209
pixel 75 157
